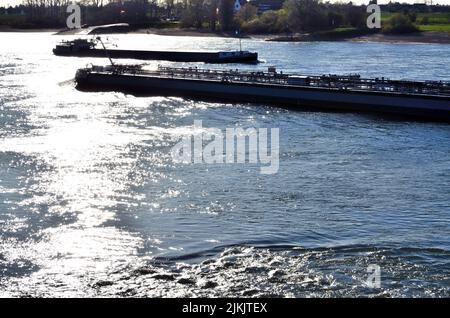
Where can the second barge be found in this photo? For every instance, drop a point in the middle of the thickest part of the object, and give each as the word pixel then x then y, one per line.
pixel 87 48
pixel 427 100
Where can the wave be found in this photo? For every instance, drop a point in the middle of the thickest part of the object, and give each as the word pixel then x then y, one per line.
pixel 282 271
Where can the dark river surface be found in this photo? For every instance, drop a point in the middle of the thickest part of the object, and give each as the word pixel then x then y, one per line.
pixel 92 204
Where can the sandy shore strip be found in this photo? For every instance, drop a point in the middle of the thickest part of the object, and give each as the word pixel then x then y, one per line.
pixel 156 31
pixel 7 29
pixel 420 37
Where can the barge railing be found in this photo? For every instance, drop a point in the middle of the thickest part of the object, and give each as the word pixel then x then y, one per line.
pixel 331 81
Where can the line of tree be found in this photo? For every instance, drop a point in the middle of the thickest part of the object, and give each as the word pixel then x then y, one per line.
pixel 294 16
pixel 52 13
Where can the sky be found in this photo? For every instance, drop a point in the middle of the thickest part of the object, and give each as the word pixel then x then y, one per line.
pixel 15 2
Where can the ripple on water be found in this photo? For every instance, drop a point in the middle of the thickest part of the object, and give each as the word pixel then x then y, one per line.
pixel 242 271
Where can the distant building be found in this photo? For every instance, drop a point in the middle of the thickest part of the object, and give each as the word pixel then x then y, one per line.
pixel 420 6
pixel 267 5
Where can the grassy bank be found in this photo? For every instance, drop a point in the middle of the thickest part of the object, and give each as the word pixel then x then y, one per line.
pixel 427 22
pixel 434 27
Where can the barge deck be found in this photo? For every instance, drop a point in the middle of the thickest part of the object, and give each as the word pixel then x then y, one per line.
pixel 427 99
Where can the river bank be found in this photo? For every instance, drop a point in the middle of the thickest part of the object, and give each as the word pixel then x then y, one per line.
pixel 6 29
pixel 362 36
pixel 434 37
pixel 420 37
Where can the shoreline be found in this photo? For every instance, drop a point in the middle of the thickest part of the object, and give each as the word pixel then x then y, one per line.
pixel 153 30
pixel 431 37
pixel 4 29
pixel 415 38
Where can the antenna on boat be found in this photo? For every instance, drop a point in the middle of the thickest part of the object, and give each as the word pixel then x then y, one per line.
pixel 237 8
pixel 238 33
pixel 106 51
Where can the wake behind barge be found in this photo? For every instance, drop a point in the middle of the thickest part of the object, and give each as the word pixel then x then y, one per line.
pixel 87 48
pixel 427 100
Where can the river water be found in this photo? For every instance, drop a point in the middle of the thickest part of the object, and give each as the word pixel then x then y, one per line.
pixel 92 204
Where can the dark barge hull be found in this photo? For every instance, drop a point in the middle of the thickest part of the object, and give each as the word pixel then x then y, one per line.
pixel 296 97
pixel 173 56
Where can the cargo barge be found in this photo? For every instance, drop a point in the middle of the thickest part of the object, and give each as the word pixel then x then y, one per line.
pixel 87 48
pixel 427 100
